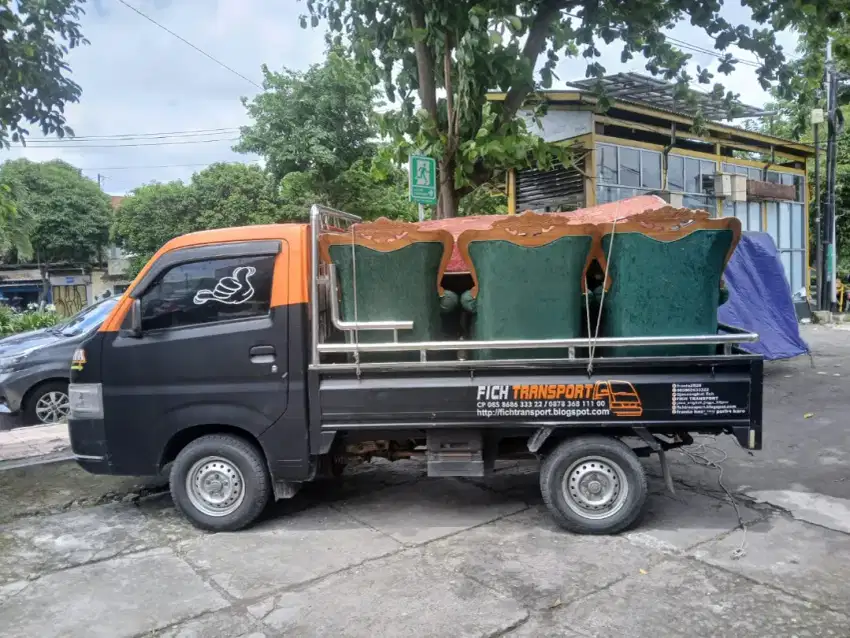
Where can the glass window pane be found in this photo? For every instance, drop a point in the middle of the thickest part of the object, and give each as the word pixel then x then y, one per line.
pixel 797 225
pixel 706 168
pixel 692 177
pixel 786 178
pixel 799 267
pixel 784 225
pixel 675 173
pixel 208 291
pixel 800 184
pixel 651 169
pixel 773 221
pixel 754 174
pixel 629 166
pixel 755 215
pixel 606 163
pixel 773 177
pixel 786 265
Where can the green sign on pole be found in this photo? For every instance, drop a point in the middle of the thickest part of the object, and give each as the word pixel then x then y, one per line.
pixel 422 179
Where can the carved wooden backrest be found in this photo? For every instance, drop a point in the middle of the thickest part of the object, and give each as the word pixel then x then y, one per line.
pixel 532 230
pixel 670 224
pixel 386 235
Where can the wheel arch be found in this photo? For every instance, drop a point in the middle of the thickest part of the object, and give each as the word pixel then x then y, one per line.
pixel 185 436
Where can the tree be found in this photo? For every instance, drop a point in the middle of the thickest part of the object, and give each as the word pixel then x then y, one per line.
pixel 233 195
pixel 70 214
pixel 150 216
pixel 422 49
pixel 35 36
pixel 320 121
pixel 318 134
pixel 16 222
pixel 219 196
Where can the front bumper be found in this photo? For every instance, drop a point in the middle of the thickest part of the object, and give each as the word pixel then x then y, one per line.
pixel 88 443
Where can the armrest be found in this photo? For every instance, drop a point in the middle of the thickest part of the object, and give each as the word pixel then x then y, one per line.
pixel 468 302
pixel 449 301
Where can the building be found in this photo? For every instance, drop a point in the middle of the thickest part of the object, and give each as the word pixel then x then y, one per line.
pixel 646 142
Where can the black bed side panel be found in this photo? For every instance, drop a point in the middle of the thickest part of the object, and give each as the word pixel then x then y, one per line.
pixel 678 393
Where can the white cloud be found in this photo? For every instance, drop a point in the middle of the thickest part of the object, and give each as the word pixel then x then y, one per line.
pixel 137 78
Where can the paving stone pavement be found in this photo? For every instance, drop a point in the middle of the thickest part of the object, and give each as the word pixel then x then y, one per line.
pixel 391 553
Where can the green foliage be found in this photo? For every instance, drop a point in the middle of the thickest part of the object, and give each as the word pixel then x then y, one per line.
pixel 16 222
pixel 68 214
pixel 152 214
pixel 319 121
pixel 437 60
pixel 35 36
pixel 318 134
pixel 219 196
pixel 34 318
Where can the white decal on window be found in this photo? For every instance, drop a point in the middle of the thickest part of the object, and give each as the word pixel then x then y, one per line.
pixel 235 289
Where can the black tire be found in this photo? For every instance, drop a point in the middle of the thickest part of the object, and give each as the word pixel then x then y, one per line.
pixel 29 414
pixel 615 455
pixel 239 454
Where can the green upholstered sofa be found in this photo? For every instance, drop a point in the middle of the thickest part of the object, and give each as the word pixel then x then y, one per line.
pixel 665 274
pixel 529 281
pixel 398 271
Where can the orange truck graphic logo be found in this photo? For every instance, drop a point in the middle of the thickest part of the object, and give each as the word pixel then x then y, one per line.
pixel 623 399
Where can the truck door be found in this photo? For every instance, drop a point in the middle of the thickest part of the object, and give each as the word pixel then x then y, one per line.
pixel 212 350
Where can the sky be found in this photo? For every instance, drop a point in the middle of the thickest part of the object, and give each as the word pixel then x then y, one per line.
pixel 137 78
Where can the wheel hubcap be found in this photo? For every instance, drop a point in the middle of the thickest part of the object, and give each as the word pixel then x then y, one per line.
pixel 595 487
pixel 215 486
pixel 52 407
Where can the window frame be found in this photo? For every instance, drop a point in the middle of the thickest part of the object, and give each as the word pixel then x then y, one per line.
pixel 208 252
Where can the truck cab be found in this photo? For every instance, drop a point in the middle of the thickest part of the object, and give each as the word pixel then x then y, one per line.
pixel 220 366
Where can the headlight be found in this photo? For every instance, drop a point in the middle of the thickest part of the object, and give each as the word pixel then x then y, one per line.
pixel 86 400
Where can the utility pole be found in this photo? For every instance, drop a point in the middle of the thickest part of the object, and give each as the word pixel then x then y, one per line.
pixel 100 179
pixel 831 157
pixel 820 288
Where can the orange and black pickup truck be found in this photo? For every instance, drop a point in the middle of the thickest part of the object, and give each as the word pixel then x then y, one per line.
pixel 233 363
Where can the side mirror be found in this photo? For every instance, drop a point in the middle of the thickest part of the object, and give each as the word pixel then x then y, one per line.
pixel 134 329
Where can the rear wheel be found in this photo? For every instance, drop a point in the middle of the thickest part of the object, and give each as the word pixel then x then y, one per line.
pixel 47 403
pixel 593 485
pixel 220 482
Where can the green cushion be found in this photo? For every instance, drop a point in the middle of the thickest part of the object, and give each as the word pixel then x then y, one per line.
pixel 661 288
pixel 399 285
pixel 519 298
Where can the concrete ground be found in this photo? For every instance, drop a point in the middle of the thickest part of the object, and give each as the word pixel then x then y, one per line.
pixel 391 553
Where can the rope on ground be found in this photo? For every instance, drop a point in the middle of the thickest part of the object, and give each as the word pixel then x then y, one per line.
pixel 698 454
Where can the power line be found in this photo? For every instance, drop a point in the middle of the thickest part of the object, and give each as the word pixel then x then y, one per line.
pixel 63 145
pixel 128 168
pixel 697 49
pixel 140 136
pixel 185 41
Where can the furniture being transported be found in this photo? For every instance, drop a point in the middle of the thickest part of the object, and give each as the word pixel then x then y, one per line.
pixel 665 270
pixel 396 270
pixel 529 278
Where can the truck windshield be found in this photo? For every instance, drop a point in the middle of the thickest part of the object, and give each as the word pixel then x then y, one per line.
pixel 88 318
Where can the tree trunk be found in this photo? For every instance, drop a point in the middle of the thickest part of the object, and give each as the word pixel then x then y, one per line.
pixel 447 204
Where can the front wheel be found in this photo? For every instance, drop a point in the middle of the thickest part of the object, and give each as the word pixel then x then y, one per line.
pixel 593 485
pixel 220 482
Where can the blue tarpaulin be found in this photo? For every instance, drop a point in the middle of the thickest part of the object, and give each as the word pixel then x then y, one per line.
pixel 760 299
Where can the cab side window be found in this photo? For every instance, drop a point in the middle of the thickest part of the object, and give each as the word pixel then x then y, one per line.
pixel 208 291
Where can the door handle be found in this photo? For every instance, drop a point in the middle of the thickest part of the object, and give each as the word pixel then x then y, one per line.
pixel 262 354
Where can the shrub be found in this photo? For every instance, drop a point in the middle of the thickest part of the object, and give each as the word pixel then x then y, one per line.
pixel 33 318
